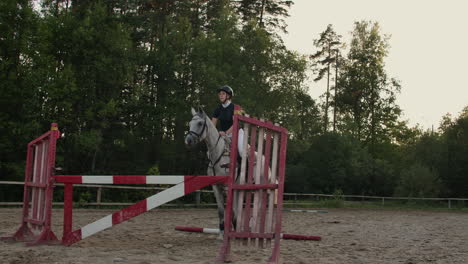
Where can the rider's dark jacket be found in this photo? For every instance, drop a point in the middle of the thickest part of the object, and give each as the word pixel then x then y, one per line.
pixel 224 115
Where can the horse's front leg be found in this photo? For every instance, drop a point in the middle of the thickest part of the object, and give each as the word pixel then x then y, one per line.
pixel 218 191
pixel 219 196
pixel 235 203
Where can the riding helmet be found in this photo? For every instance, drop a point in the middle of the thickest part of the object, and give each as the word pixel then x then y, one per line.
pixel 226 89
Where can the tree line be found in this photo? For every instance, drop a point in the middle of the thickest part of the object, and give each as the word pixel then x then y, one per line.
pixel 120 76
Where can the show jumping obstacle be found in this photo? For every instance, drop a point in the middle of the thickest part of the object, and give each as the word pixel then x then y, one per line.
pixel 258 220
pixel 35 226
pixel 256 200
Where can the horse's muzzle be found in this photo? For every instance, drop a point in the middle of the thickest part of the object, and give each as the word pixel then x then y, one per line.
pixel 190 141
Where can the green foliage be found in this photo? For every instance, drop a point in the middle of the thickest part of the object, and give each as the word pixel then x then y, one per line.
pixel 418 181
pixel 19 115
pixel 338 199
pixel 443 154
pixel 268 14
pixel 84 198
pixel 453 165
pixel 154 170
pixel 119 78
pixel 367 98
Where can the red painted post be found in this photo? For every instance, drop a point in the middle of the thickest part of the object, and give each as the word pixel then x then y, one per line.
pixel 224 251
pixel 279 207
pixel 67 210
pixel 48 235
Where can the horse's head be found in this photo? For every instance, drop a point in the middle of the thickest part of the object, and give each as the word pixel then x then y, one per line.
pixel 197 128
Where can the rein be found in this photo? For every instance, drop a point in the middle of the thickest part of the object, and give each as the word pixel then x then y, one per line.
pixel 199 135
pixel 213 164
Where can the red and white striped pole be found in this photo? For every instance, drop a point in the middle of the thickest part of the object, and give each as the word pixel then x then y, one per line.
pixel 216 231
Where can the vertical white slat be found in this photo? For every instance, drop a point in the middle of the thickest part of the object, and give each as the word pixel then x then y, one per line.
pixel 257 177
pixel 43 180
pixel 240 194
pixel 273 176
pixel 33 179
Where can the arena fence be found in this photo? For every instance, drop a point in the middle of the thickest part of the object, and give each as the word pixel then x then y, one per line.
pixel 203 198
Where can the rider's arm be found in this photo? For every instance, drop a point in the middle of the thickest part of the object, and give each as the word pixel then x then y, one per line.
pixel 229 131
pixel 214 120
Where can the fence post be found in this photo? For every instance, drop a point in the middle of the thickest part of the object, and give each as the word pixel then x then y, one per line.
pixel 449 204
pixel 383 201
pixel 98 197
pixel 67 209
pixel 197 198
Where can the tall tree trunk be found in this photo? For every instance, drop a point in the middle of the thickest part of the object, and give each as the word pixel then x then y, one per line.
pixel 373 120
pixel 261 13
pixel 336 88
pixel 325 126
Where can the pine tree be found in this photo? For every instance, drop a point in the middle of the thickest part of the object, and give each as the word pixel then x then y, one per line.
pixel 324 59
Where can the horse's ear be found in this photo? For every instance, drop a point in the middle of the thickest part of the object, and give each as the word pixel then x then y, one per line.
pixel 199 109
pixel 193 111
pixel 202 111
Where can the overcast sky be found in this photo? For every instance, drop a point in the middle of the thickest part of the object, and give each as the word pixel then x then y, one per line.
pixel 428 47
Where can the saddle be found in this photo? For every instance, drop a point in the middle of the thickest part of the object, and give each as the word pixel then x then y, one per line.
pixel 227 152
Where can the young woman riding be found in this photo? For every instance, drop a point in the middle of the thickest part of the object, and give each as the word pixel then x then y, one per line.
pixel 224 113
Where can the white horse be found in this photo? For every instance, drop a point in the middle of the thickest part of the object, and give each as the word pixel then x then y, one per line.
pixel 202 129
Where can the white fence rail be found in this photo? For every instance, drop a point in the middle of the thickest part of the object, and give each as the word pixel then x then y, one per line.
pixel 380 199
pixel 297 199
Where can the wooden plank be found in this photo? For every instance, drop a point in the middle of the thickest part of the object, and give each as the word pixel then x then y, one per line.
pixel 266 174
pixel 35 179
pixel 242 179
pixel 248 200
pixel 279 206
pixel 271 194
pixel 43 178
pixel 258 193
pixel 256 122
pixel 254 186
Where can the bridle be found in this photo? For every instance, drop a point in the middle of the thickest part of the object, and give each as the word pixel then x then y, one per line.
pixel 199 135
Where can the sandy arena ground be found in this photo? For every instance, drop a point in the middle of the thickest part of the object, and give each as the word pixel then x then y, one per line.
pixel 348 236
